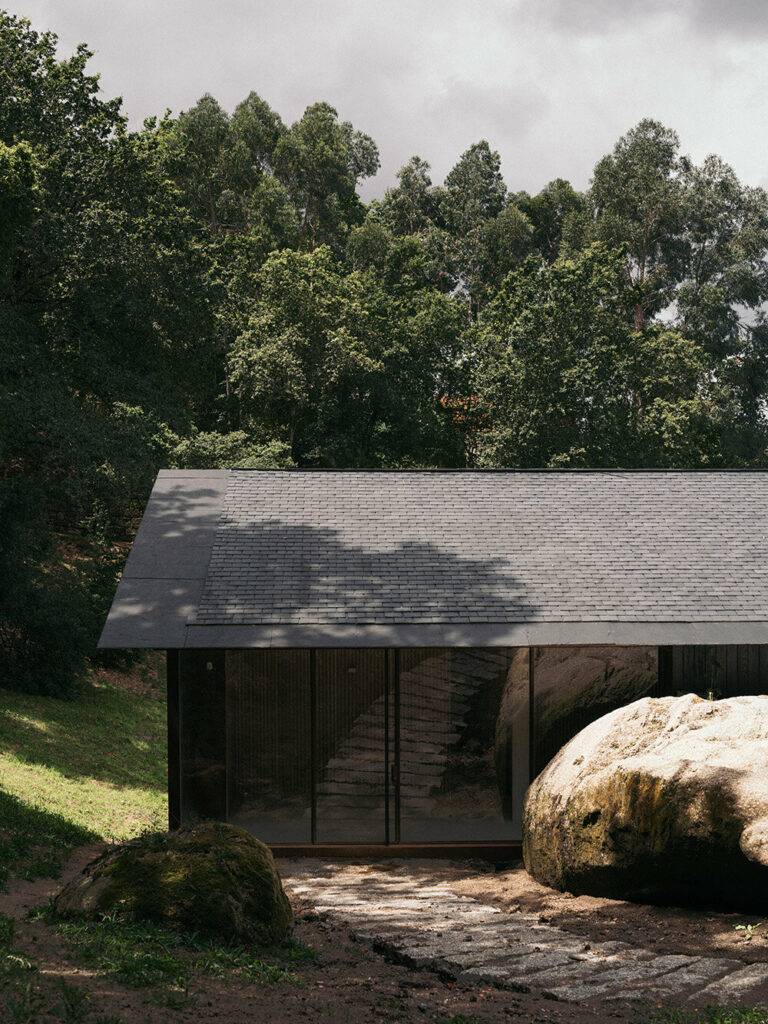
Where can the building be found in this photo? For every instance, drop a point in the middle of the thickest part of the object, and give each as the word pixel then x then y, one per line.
pixel 386 658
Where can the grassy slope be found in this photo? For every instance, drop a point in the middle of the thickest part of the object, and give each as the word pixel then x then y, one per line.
pixel 77 771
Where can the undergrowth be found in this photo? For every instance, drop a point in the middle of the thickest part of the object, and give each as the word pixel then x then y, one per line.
pixel 147 955
pixel 25 998
pixel 710 1015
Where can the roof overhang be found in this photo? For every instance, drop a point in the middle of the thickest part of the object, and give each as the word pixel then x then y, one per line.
pixel 158 599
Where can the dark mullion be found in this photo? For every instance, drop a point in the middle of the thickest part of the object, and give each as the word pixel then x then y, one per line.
pixel 397 743
pixel 387 662
pixel 313 742
pixel 531 716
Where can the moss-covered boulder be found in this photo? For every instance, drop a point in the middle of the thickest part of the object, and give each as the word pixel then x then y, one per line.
pixel 214 879
pixel 665 800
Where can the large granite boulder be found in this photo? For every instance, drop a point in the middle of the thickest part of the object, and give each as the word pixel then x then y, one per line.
pixel 214 879
pixel 663 800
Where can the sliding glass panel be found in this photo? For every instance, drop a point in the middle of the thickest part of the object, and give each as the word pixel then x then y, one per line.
pixel 463 743
pixel 576 685
pixel 352 726
pixel 269 717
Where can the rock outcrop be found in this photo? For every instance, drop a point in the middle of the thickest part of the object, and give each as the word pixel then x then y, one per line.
pixel 214 879
pixel 663 800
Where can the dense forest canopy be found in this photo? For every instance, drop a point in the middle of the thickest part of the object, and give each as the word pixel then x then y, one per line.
pixel 210 291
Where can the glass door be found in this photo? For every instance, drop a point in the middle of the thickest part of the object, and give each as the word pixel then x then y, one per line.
pixel 352 714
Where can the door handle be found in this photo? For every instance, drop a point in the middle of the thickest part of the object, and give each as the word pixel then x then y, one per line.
pixel 394 773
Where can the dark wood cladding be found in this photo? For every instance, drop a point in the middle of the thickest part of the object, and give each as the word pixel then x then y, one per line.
pixel 727 670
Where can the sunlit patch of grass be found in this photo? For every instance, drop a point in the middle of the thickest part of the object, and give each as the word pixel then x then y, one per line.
pixel 75 772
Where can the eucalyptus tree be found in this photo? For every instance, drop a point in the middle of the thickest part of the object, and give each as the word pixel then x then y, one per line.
pixel 321 160
pixel 563 379
pixel 409 207
pixel 558 216
pixel 638 196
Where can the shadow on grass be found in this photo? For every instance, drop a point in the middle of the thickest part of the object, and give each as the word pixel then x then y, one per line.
pixel 34 842
pixel 109 735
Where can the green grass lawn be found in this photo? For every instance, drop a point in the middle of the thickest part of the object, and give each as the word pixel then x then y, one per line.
pixel 74 772
pixel 77 771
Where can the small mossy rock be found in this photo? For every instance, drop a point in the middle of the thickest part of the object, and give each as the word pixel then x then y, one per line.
pixel 665 800
pixel 214 879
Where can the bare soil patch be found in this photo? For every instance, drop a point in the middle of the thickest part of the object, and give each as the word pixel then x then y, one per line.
pixel 350 983
pixel 670 930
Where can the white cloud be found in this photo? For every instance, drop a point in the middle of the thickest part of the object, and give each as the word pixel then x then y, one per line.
pixel 550 83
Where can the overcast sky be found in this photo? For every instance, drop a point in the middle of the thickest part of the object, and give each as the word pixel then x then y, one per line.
pixel 551 84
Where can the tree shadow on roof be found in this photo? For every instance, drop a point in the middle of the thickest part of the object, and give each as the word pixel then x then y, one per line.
pixel 283 573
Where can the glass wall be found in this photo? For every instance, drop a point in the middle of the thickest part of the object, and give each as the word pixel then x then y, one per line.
pixel 371 746
pixel 202 735
pixel 463 715
pixel 574 686
pixel 269 729
pixel 351 746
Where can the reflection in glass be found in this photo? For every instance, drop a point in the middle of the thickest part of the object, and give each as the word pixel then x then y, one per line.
pixel 463 725
pixel 352 726
pixel 574 686
pixel 269 718
pixel 202 735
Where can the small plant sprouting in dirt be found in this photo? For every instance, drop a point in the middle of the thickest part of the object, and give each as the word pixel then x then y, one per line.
pixel 21 1005
pixel 73 1004
pixel 748 929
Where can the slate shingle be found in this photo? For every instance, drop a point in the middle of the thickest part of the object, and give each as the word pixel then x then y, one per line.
pixel 363 547
pixel 423 554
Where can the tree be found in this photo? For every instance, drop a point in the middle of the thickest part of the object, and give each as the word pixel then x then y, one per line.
pixel 409 208
pixel 103 307
pixel 221 162
pixel 564 380
pixel 556 215
pixel 304 369
pixel 474 189
pixel 505 241
pixel 320 161
pixel 638 197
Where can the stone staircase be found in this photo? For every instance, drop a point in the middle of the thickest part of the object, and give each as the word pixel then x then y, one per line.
pixel 433 718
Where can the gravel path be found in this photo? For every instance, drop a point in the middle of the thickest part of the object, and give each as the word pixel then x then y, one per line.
pixel 405 913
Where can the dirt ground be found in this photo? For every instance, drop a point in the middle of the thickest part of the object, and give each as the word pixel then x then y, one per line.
pixel 350 983
pixel 659 929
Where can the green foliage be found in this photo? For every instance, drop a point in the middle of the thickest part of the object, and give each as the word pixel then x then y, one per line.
pixel 748 929
pixel 211 292
pixel 710 1015
pixel 234 450
pixel 565 381
pixel 321 161
pixel 409 208
pixel 328 362
pixel 474 190
pixel 144 954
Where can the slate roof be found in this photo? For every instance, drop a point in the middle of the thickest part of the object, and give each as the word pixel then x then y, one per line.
pixel 431 558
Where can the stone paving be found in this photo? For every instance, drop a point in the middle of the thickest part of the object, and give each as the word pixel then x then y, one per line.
pixel 407 915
